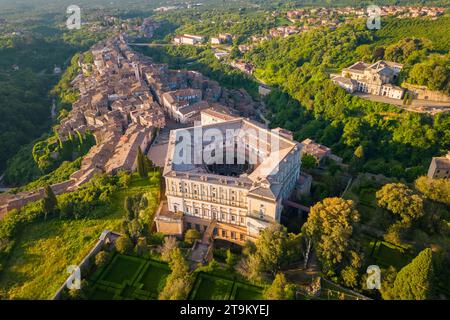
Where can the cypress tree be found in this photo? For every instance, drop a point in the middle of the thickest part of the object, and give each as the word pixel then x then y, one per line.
pixel 141 165
pixel 414 281
pixel 50 201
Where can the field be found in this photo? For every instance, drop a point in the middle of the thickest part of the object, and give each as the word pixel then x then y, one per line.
pixel 386 254
pixel 42 252
pixel 128 277
pixel 214 287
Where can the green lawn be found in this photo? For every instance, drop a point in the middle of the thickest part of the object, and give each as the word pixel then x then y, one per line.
pixel 38 262
pixel 387 254
pixel 384 254
pixel 130 277
pixel 246 292
pixel 214 287
pixel 154 278
pixel 102 294
pixel 122 269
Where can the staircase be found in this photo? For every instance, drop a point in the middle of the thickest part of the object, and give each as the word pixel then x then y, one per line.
pixel 207 235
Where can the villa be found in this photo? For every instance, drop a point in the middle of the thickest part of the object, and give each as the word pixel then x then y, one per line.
pixel 232 201
pixel 377 78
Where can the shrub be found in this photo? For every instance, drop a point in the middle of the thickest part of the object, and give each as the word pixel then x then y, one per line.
pixel 141 248
pixel 101 259
pixel 191 235
pixel 124 245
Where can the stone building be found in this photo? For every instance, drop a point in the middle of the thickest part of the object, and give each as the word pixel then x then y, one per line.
pixel 440 167
pixel 232 200
pixel 376 78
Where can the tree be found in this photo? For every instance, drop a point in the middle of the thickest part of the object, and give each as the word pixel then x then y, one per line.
pixel 141 247
pixel 400 200
pixel 415 280
pixel 141 164
pixel 230 260
pixel 309 161
pixel 178 283
pixel 280 289
pixel 169 245
pixel 330 226
pixel 124 245
pixel 388 277
pixel 50 201
pixel 272 247
pixel 191 235
pixel 251 267
pixel 349 276
pixel 434 189
pixel 359 152
pixel 101 259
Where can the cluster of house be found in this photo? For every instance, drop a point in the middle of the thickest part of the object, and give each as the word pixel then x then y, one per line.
pixel 411 11
pixel 189 39
pixel 284 32
pixel 145 29
pixel 243 65
pixel 377 78
pixel 223 38
pixel 192 39
pixel 314 16
pixel 124 99
pixel 319 152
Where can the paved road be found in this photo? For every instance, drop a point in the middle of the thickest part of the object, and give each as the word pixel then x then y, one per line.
pixel 423 106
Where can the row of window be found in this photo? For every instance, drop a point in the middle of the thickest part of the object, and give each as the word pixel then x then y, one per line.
pixel 203 192
pixel 218 232
pixel 222 216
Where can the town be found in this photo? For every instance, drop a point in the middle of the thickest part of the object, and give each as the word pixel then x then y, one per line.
pixel 239 150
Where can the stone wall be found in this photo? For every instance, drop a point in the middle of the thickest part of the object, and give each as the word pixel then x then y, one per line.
pixel 106 238
pixel 422 93
pixel 19 200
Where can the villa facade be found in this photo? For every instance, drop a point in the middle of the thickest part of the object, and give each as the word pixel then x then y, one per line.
pixel 377 78
pixel 232 202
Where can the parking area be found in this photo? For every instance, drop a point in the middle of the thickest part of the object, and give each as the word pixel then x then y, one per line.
pixel 158 151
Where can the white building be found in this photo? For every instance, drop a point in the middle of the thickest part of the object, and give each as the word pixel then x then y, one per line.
pixel 376 78
pixel 232 201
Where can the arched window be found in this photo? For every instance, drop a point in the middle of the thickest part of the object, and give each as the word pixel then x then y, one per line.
pixel 262 211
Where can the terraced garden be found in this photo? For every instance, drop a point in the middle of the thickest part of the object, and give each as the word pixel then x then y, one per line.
pixel 214 287
pixel 128 277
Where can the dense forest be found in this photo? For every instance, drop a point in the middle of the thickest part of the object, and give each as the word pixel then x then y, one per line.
pixel 27 62
pixel 395 143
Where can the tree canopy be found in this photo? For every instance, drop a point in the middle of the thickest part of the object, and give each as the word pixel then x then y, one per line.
pixel 330 226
